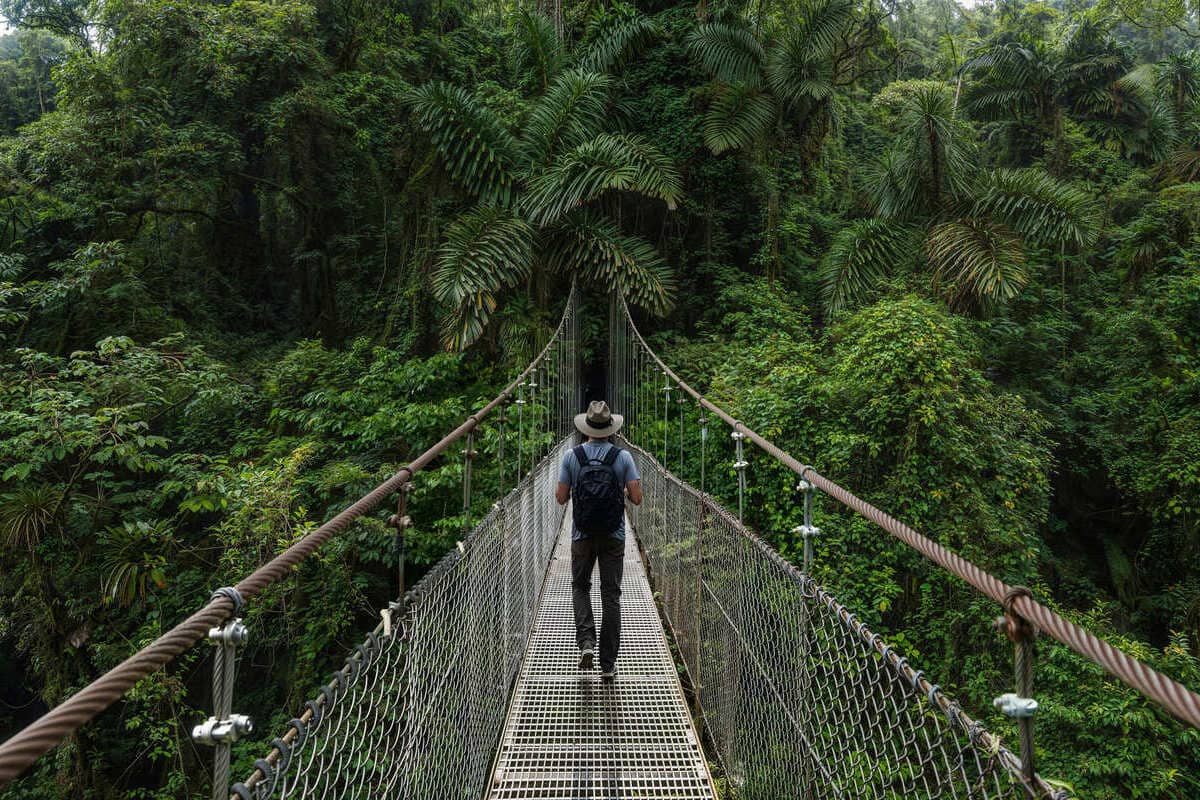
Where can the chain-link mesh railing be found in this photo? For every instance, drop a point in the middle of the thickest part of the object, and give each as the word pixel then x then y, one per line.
pixel 799 698
pixel 418 709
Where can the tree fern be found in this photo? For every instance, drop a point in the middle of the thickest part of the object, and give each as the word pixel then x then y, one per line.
pixel 859 258
pixel 738 116
pixel 605 162
pixel 486 250
pixel 975 261
pixel 570 113
pixel 729 52
pixel 1039 207
pixel 474 146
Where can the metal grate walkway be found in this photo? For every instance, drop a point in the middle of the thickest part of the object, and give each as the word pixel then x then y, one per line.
pixel 569 735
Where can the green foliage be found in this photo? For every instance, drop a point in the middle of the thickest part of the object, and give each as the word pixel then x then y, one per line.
pixel 946 254
pixel 474 147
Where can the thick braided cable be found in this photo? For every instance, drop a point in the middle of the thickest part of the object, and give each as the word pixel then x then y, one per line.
pixel 20 751
pixel 1170 694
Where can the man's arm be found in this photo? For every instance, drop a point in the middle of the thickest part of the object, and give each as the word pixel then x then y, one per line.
pixel 563 492
pixel 634 490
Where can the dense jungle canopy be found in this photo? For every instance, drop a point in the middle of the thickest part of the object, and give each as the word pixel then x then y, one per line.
pixel 255 255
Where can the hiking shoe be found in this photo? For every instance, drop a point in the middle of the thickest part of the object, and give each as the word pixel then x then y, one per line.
pixel 586 655
pixel 607 674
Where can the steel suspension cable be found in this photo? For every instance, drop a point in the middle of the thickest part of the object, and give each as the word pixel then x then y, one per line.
pixel 1170 694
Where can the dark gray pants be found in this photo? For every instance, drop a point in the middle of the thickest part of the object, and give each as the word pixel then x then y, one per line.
pixel 610 552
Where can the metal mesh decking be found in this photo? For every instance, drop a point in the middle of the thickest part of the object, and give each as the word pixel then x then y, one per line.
pixel 570 735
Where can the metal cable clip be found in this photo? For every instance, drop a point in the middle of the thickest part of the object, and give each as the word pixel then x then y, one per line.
pixel 1013 705
pixel 215 731
pixel 232 632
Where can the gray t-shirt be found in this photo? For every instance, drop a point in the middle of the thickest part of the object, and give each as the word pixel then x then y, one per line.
pixel 624 467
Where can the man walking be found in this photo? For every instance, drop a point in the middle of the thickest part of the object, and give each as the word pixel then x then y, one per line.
pixel 597 475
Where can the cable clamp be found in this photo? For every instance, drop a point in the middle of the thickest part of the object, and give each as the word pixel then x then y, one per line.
pixel 220 731
pixel 1014 706
pixel 806 531
pixel 740 465
pixel 232 632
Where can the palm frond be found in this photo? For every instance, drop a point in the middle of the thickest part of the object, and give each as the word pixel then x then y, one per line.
pixel 612 41
pixel 598 251
pixel 999 102
pixel 738 116
pixel 896 185
pixel 486 250
pixel 536 48
pixel 859 258
pixel 821 25
pixel 729 52
pixel 570 113
pixel 474 146
pixel 1039 207
pixel 605 162
pixel 1182 164
pixel 975 261
pixel 795 73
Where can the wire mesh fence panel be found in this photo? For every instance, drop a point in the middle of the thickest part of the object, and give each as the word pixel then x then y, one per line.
pixel 419 708
pixel 799 698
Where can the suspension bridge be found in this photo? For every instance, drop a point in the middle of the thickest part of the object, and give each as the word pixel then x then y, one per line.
pixel 734 661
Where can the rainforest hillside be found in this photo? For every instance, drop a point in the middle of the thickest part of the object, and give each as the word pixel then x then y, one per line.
pixel 254 256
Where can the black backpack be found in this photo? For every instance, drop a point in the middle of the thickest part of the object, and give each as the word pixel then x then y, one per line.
pixel 597 497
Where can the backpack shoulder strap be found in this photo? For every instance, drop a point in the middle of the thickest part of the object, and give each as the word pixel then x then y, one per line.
pixel 580 455
pixel 610 457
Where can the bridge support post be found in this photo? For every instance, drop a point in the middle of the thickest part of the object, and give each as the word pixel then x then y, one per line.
pixel 807 531
pixel 401 521
pixel 469 452
pixel 224 728
pixel 740 466
pixel 1020 705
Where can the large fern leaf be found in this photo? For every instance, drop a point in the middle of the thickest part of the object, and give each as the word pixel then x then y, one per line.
pixel 570 113
pixel 486 250
pixel 729 52
pixel 593 247
pixel 604 162
pixel 474 146
pixel 975 261
pixel 1039 207
pixel 860 257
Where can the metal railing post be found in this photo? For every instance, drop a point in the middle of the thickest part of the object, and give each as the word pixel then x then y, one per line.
pixel 1020 705
pixel 469 452
pixel 807 531
pixel 739 466
pixel 224 728
pixel 401 521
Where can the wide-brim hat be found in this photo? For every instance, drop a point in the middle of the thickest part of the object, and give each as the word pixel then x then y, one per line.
pixel 598 421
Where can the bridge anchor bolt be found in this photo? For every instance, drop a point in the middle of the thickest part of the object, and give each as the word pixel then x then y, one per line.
pixel 1014 706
